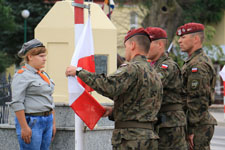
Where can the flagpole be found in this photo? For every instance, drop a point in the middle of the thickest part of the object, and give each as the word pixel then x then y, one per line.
pixel 109 10
pixel 78 28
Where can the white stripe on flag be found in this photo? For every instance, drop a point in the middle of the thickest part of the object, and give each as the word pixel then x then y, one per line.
pixel 75 89
pixel 83 104
pixel 84 50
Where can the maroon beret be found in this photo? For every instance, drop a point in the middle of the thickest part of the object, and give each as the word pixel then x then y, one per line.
pixel 156 33
pixel 133 32
pixel 190 28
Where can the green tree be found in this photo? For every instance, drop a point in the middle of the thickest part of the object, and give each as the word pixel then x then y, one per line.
pixel 170 14
pixel 215 52
pixel 6 18
pixel 7 23
pixel 12 40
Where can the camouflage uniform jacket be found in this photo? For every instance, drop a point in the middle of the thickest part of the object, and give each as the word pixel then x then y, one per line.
pixel 170 75
pixel 199 79
pixel 136 91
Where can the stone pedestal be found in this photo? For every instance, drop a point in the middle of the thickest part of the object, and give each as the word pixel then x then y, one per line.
pixel 97 139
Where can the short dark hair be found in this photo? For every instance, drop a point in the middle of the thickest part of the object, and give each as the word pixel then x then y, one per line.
pixel 143 42
pixel 201 35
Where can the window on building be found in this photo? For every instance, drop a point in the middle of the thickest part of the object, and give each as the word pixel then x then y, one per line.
pixel 133 20
pixel 101 64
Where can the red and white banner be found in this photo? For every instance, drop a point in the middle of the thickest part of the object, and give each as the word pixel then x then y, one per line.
pixel 222 74
pixel 84 55
pixel 84 105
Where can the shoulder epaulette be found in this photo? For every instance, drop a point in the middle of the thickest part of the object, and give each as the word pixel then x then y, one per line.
pixel 20 71
pixel 123 65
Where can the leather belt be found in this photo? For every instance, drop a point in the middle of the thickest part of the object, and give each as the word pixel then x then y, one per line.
pixel 133 124
pixel 46 113
pixel 171 107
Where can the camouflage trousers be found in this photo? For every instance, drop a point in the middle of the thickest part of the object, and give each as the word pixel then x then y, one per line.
pixel 137 145
pixel 172 138
pixel 202 137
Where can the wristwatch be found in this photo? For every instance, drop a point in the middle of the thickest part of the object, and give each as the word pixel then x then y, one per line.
pixel 78 70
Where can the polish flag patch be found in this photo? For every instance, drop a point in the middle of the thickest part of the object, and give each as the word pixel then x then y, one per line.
pixel 164 66
pixel 194 69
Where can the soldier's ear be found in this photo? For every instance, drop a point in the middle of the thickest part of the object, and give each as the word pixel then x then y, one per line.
pixel 160 43
pixel 196 37
pixel 133 45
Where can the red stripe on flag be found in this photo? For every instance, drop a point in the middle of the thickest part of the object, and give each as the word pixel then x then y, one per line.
pixel 224 88
pixel 88 109
pixel 87 63
pixel 194 69
pixel 164 66
pixel 79 13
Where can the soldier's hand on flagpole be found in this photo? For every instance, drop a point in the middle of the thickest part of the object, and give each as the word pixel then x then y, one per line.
pixel 71 71
pixel 108 111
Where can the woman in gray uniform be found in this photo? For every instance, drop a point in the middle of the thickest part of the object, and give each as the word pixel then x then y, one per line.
pixel 32 99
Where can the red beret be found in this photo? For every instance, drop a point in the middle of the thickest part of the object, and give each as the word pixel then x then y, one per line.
pixel 156 33
pixel 190 28
pixel 133 32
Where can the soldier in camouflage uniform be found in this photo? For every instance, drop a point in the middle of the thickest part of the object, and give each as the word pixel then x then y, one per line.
pixel 199 81
pixel 136 91
pixel 172 119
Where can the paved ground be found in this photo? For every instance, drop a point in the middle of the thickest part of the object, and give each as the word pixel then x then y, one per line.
pixel 219 117
pixel 218 141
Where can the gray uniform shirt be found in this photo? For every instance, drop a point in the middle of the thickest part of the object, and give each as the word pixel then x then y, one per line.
pixel 31 93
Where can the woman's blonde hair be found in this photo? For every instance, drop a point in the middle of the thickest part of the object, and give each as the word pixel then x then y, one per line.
pixel 33 52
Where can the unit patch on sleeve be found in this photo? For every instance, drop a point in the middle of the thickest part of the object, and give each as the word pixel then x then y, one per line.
pixel 123 65
pixel 194 84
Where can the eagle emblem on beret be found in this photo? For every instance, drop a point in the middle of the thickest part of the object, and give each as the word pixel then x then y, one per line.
pixel 189 29
pixel 179 32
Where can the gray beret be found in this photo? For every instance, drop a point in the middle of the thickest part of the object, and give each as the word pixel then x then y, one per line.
pixel 28 46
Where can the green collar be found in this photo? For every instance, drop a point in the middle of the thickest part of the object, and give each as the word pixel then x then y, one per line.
pixel 194 54
pixel 160 60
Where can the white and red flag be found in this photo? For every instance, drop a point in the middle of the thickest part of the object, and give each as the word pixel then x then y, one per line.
pixel 84 54
pixel 83 104
pixel 222 74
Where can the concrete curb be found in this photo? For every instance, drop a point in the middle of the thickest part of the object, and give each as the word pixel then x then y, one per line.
pixel 216 108
pixel 220 123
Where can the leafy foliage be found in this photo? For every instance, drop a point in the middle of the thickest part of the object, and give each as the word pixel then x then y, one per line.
pixel 5 61
pixel 7 24
pixel 214 51
pixel 202 11
pixel 6 19
pixel 12 40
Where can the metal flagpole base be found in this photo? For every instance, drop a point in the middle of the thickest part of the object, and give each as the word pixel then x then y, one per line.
pixel 82 6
